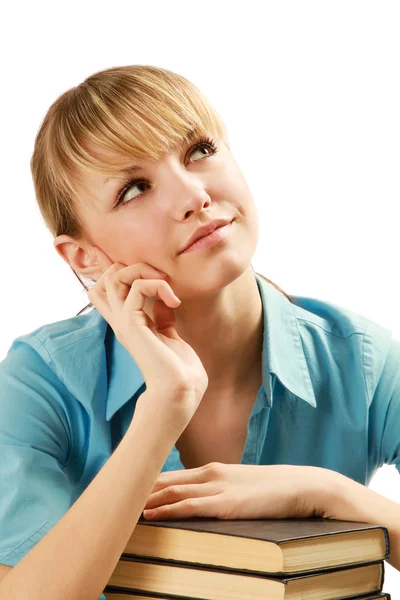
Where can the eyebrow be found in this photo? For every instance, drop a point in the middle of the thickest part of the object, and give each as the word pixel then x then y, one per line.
pixel 191 136
pixel 126 171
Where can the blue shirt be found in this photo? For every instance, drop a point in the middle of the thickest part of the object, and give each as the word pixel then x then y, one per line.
pixel 330 398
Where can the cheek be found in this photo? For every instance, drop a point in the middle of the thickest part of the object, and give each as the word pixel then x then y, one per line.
pixel 130 241
pixel 235 185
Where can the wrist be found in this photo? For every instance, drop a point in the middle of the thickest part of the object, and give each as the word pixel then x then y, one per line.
pixel 162 414
pixel 324 491
pixel 349 500
pixel 148 424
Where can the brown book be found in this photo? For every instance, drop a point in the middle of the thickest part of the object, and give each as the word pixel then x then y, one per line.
pixel 272 546
pixel 133 596
pixel 187 582
pixel 373 597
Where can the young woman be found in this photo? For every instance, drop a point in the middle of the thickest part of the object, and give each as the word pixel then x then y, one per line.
pixel 195 387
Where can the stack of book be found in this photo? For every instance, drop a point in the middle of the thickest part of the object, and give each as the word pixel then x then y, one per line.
pixel 288 559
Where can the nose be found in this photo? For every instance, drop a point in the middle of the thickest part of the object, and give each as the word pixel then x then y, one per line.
pixel 188 191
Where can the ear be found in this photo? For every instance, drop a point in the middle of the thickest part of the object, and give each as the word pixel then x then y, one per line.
pixel 78 255
pixel 83 259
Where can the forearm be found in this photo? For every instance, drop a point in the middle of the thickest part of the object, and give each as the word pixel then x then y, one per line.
pixel 351 501
pixel 77 557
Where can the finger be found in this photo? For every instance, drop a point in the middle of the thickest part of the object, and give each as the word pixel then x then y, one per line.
pixel 98 295
pixel 177 493
pixel 208 472
pixel 119 278
pixel 118 282
pixel 142 289
pixel 164 319
pixel 114 285
pixel 184 476
pixel 209 506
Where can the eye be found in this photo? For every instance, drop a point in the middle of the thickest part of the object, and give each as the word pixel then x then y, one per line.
pixel 123 198
pixel 208 143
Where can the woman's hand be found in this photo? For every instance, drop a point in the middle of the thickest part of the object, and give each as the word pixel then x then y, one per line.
pixel 169 365
pixel 227 491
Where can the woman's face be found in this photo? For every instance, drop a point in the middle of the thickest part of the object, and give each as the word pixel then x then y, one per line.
pixel 156 215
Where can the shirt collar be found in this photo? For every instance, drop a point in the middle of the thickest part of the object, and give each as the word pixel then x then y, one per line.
pixel 282 355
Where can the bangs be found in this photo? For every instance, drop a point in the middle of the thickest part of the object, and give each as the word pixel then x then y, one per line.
pixel 107 121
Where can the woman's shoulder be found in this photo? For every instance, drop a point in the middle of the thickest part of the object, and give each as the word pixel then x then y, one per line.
pixel 345 335
pixel 59 342
pixel 335 319
pixel 53 338
pixel 67 356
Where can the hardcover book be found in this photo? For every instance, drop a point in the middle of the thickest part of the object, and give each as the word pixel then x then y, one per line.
pixel 133 596
pixel 187 582
pixel 273 546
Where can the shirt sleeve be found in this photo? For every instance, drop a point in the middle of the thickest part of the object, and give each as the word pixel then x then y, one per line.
pixel 385 411
pixel 34 448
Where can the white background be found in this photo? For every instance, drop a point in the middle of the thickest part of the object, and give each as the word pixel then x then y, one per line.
pixel 310 93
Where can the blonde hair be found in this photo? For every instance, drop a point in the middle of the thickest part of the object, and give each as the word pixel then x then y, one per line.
pixel 114 115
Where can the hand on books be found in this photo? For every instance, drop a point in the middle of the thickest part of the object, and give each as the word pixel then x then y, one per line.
pixel 227 491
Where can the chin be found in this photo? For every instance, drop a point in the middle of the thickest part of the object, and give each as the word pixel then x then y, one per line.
pixel 212 276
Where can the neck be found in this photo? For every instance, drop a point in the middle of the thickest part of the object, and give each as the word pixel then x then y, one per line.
pixel 226 332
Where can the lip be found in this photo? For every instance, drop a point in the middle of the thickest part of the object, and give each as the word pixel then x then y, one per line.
pixel 212 239
pixel 205 230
